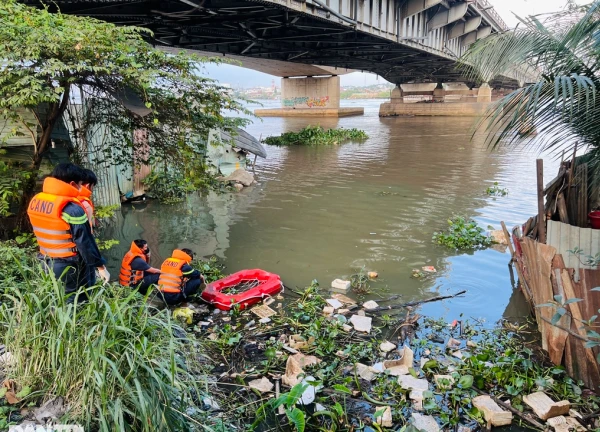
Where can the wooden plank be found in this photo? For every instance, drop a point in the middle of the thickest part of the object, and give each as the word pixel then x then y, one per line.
pixel 585 243
pixel 557 338
pixel 508 240
pixel 540 196
pixel 582 195
pixel 563 244
pixel 595 242
pixel 562 208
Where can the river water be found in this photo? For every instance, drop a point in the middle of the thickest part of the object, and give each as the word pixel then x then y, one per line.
pixel 324 213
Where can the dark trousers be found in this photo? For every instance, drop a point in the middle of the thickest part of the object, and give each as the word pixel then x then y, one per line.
pixel 73 273
pixel 148 280
pixel 190 288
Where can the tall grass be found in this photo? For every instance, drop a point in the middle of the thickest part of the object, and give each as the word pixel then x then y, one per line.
pixel 113 359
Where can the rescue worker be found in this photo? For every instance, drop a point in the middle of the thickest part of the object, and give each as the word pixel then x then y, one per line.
pixel 60 224
pixel 87 187
pixel 178 279
pixel 136 271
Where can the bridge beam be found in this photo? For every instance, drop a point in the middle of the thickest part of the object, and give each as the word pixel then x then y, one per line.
pixel 473 36
pixel 413 7
pixel 461 28
pixel 448 16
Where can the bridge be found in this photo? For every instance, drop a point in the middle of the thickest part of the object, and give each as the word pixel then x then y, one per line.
pixel 400 40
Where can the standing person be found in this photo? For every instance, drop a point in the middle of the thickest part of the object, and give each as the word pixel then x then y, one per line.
pixel 178 279
pixel 136 271
pixel 87 188
pixel 60 224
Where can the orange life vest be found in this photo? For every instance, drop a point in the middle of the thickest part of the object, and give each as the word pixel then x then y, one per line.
pixel 85 196
pixel 171 278
pixel 45 214
pixel 128 276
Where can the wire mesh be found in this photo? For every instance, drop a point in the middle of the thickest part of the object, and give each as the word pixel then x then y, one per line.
pixel 243 286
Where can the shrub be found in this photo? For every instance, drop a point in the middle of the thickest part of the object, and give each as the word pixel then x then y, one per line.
pixel 316 135
pixel 462 233
pixel 113 359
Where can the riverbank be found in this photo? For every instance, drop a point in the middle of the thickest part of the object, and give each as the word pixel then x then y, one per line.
pixel 229 366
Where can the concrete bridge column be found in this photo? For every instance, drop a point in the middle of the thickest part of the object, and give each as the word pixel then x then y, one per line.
pixel 397 95
pixel 310 96
pixel 484 94
pixel 439 93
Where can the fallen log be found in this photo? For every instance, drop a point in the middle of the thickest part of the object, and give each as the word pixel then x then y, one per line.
pixel 416 303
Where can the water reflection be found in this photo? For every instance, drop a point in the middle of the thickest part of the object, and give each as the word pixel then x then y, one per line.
pixel 323 212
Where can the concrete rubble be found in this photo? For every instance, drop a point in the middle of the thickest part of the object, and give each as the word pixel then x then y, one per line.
pixel 361 323
pixel 341 286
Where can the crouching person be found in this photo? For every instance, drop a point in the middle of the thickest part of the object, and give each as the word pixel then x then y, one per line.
pixel 136 271
pixel 178 279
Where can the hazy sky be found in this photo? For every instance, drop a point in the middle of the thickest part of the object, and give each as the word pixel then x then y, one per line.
pixel 506 8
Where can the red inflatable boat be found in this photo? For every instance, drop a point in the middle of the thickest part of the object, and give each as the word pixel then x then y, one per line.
pixel 244 288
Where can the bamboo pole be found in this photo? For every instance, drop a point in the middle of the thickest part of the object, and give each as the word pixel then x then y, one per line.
pixel 540 195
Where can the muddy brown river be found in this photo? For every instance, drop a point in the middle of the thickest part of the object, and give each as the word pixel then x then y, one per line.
pixel 324 213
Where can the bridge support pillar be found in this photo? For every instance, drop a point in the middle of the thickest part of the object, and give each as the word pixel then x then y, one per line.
pixel 397 96
pixel 484 94
pixel 439 93
pixel 309 97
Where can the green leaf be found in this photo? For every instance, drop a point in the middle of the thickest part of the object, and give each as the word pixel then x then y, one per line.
pixel 379 413
pixel 430 364
pixel 465 381
pixel 296 417
pixel 342 388
pixel 573 300
pixel 24 392
pixel 3 391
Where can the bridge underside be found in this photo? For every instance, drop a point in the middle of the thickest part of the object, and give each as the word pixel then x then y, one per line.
pixel 265 30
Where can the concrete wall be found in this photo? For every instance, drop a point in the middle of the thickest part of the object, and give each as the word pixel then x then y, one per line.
pixel 457 109
pixel 310 92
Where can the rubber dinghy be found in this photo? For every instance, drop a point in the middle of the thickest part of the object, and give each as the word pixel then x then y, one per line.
pixel 244 288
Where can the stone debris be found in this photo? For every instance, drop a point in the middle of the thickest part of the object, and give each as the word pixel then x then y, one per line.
pixel 347 327
pixel 386 346
pixel 471 344
pixel 377 368
pixel 294 365
pixel 544 407
pixel 53 409
pixel 361 323
pixel 334 303
pixel 361 313
pixel 344 299
pixel 265 320
pixel 453 343
pixel 443 382
pixel 239 176
pixel 492 412
pixel 263 385
pixel 263 311
pixel 343 311
pixel 565 424
pixel 340 285
pixel 416 396
pixel 402 365
pixel 498 237
pixel 364 372
pixel 408 382
pixel 458 354
pixel 385 419
pixel 328 310
pixel 370 305
pixel 238 186
pixel 425 423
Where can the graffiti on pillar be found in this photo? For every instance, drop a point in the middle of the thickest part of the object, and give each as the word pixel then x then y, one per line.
pixel 304 100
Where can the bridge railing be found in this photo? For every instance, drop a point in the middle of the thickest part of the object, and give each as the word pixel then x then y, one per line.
pixel 489 8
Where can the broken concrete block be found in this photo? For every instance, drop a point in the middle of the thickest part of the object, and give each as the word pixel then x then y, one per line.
pixel 408 382
pixel 344 299
pixel 498 237
pixel 408 357
pixel 265 320
pixel 347 327
pixel 471 344
pixel 544 407
pixel 361 313
pixel 361 323
pixel 370 305
pixel 343 311
pixel 453 343
pixel 443 382
pixel 565 424
pixel 377 368
pixel 425 423
pixel 458 354
pixel 335 303
pixel 328 310
pixel 364 372
pixel 416 396
pixel 492 411
pixel 386 346
pixel 385 419
pixel 263 385
pixel 342 286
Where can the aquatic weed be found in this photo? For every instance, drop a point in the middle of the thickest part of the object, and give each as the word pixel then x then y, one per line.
pixel 462 233
pixel 316 135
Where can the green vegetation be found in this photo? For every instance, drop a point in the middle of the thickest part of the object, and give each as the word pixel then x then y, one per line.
pixel 561 52
pixel 114 360
pixel 316 135
pixel 49 57
pixel 496 190
pixel 12 179
pixel 462 233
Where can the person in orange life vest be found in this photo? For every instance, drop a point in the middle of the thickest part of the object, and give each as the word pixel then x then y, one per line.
pixel 178 279
pixel 136 271
pixel 60 224
pixel 87 188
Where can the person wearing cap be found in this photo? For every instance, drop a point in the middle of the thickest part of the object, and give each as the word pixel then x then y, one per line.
pixel 136 271
pixel 178 279
pixel 62 230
